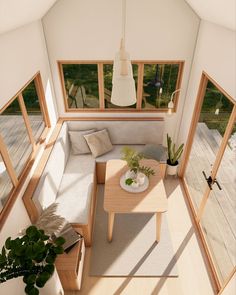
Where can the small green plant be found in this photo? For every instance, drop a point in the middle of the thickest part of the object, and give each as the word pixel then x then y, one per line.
pixel 31 256
pixel 173 153
pixel 133 158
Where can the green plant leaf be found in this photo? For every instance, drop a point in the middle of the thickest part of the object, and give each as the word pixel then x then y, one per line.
pixel 49 268
pixel 32 291
pixel 42 279
pixel 8 243
pixel 58 250
pixel 60 241
pixel 129 181
pixel 51 258
pixel 30 280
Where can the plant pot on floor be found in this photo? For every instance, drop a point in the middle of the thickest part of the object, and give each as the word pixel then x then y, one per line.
pixel 172 169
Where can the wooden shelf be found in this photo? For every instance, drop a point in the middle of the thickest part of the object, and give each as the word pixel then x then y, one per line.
pixel 70 267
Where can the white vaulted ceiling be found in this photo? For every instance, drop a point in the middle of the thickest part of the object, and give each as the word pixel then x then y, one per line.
pixel 221 12
pixel 16 13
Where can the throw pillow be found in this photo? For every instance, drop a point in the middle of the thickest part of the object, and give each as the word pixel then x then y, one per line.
pixel 156 152
pixel 78 143
pixel 99 142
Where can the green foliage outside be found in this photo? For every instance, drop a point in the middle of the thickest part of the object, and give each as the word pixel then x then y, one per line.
pixel 85 75
pixel 32 257
pixel 213 100
pixel 168 74
pixel 31 100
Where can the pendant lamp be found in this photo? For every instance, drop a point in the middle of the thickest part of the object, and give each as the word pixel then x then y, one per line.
pixel 123 84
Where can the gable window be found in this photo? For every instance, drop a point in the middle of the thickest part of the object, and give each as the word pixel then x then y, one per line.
pixel 88 85
pixel 24 123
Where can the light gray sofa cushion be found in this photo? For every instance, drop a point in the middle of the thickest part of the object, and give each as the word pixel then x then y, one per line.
pixel 99 142
pixel 75 191
pixel 156 152
pixel 78 143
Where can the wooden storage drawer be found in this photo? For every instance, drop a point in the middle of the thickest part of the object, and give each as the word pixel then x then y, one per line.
pixel 70 267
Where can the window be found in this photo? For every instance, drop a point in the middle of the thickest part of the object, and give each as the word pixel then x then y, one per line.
pixel 6 185
pixel 81 85
pixel 23 122
pixel 88 86
pixel 32 104
pixel 159 81
pixel 15 135
pixel 107 74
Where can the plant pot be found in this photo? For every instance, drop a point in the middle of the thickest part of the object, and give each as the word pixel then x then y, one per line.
pixel 172 169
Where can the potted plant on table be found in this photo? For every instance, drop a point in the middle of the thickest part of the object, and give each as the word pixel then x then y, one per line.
pixel 136 174
pixel 173 156
pixel 31 256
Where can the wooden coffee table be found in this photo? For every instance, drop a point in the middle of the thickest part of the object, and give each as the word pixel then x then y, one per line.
pixel 117 200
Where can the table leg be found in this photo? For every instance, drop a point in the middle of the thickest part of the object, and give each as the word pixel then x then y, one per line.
pixel 158 226
pixel 111 217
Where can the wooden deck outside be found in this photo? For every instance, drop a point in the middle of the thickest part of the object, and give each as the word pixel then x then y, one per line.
pixel 219 218
pixel 14 133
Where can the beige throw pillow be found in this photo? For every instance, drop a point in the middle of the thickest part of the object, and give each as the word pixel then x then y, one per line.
pixel 79 145
pixel 99 142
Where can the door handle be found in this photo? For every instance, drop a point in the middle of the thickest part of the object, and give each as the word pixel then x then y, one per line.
pixel 210 181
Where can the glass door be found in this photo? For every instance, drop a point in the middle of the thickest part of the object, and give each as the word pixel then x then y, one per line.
pixel 213 118
pixel 209 175
pixel 218 220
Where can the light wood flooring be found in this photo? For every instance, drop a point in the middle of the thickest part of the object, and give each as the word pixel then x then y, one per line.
pixel 193 277
pixel 219 217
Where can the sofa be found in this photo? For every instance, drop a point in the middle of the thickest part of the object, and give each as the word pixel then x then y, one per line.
pixel 70 180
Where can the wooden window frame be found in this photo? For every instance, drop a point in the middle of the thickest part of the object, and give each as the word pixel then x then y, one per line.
pixel 197 214
pixel 18 181
pixel 102 108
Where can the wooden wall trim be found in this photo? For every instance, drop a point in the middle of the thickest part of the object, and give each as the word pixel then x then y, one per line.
pixel 112 118
pixel 27 197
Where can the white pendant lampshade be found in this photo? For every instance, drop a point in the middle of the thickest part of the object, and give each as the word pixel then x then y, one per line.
pixel 123 84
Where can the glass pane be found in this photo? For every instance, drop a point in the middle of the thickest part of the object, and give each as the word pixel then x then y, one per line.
pixel 5 184
pixel 31 100
pixel 107 73
pixel 81 83
pixel 15 136
pixel 159 81
pixel 219 218
pixel 214 116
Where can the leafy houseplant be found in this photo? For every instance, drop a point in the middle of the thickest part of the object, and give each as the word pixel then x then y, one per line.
pixel 173 155
pixel 31 256
pixel 133 158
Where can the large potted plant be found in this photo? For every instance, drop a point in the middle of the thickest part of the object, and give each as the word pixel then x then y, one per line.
pixel 31 256
pixel 174 154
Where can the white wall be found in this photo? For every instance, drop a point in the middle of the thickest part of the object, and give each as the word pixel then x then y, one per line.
pixel 216 55
pixel 22 54
pixel 91 30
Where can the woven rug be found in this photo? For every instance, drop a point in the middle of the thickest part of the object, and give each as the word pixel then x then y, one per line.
pixel 133 250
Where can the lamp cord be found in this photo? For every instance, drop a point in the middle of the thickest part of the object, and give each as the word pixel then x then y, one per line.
pixel 123 19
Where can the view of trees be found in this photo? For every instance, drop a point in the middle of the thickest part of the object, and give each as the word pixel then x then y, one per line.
pixel 159 82
pixel 216 109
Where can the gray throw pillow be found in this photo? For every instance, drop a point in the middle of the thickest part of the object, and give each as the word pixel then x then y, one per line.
pixel 99 142
pixel 79 145
pixel 156 152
